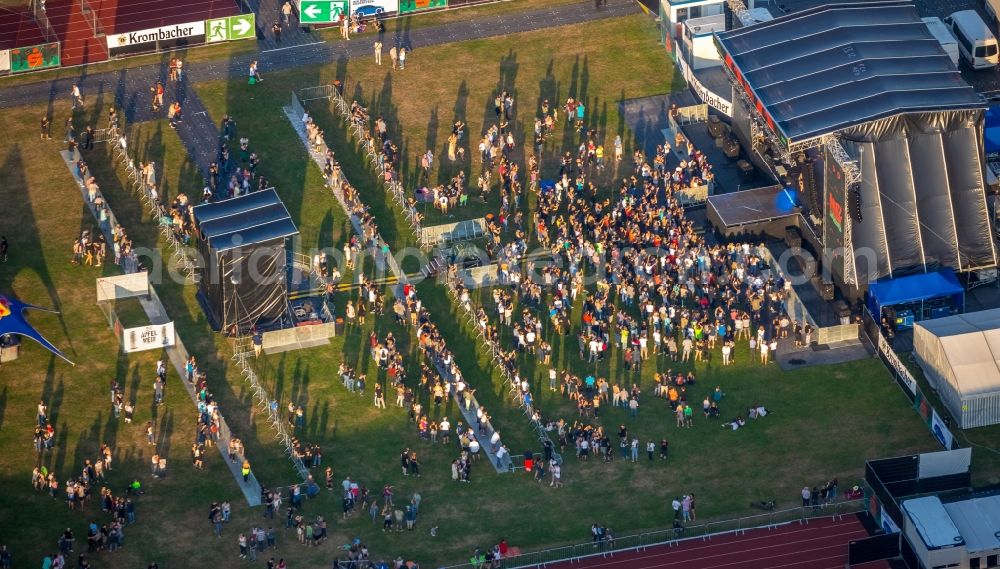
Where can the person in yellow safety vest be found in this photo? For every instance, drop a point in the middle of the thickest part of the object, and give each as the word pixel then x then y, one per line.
pixel 246 470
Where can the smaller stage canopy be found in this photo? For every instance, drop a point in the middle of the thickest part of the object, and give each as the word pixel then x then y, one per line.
pixel 960 356
pixel 821 70
pixel 254 218
pixel 242 279
pixel 915 288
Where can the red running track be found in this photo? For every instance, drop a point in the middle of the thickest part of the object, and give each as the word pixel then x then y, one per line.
pixel 820 544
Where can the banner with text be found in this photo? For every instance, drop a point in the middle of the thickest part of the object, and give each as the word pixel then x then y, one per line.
pixel 366 8
pixel 902 372
pixel 34 58
pixel 406 6
pixel 152 337
pixel 714 100
pixel 154 39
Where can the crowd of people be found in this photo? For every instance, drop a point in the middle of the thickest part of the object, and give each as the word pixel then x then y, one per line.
pixel 120 508
pixel 819 497
pixel 92 249
pixel 667 292
pixel 440 376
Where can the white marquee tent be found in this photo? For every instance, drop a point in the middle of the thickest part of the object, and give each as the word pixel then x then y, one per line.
pixel 960 356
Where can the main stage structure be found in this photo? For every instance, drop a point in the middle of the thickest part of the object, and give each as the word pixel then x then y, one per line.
pixel 863 99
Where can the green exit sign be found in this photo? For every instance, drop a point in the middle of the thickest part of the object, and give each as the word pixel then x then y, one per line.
pixel 321 11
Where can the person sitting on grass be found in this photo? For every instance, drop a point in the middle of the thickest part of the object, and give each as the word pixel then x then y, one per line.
pixel 757 411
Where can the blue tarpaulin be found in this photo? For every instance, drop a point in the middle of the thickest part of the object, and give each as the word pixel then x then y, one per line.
pixel 915 288
pixel 991 130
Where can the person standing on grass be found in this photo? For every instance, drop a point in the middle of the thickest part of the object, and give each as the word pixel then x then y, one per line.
pixel 46 127
pixel 77 96
pixel 276 30
pixel 150 437
pixel 394 56
pixel 286 12
pixel 88 138
pixel 378 52
pixel 345 27
pixel 402 58
pixel 254 73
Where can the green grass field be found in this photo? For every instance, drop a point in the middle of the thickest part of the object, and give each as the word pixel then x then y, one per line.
pixel 697 463
pixel 827 420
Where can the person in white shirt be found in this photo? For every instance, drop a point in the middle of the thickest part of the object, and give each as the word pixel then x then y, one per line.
pixel 502 456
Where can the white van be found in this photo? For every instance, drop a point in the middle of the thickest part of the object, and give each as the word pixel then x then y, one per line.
pixel 976 42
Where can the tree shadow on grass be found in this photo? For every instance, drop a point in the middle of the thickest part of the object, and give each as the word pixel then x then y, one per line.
pixel 446 168
pixel 52 394
pixel 164 433
pixel 24 237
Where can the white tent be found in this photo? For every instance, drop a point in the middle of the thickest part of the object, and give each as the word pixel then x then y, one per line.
pixel 960 356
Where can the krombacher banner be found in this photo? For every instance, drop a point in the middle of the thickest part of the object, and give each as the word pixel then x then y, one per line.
pixel 153 39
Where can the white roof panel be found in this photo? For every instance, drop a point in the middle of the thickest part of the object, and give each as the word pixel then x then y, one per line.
pixel 978 520
pixel 971 345
pixel 933 523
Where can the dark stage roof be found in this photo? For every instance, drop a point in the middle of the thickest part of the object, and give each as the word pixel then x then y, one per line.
pixel 257 217
pixel 831 67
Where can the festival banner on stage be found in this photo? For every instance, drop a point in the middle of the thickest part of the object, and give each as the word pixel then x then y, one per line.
pixel 406 6
pixel 33 58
